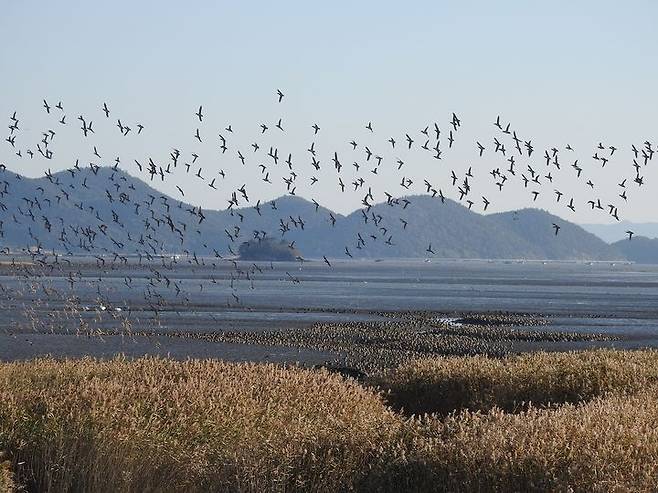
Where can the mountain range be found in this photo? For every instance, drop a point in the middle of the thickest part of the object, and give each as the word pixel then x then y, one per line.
pixel 106 211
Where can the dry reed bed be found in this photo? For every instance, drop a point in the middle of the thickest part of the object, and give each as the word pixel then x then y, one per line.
pixel 6 476
pixel 160 425
pixel 443 385
pixel 607 444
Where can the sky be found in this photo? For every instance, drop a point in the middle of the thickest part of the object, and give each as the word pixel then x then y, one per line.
pixel 559 72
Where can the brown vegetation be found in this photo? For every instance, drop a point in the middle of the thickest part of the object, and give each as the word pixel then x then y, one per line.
pixel 607 444
pixel 444 385
pixel 161 425
pixel 158 425
pixel 6 476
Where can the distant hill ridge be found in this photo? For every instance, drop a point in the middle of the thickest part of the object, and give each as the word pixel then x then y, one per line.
pixel 112 212
pixel 612 233
pixel 640 249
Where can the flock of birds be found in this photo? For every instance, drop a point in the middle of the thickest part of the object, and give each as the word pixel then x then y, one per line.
pixel 353 166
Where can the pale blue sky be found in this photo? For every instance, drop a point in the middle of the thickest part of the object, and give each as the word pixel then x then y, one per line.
pixel 561 72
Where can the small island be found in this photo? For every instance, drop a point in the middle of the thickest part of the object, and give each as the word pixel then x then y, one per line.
pixel 268 249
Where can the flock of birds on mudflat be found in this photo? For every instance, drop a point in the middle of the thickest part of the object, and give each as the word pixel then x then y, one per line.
pixel 352 166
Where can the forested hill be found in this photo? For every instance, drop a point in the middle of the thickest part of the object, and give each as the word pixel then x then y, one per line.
pixel 639 249
pixel 109 211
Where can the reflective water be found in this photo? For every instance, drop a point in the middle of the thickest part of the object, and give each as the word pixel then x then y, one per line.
pixel 592 297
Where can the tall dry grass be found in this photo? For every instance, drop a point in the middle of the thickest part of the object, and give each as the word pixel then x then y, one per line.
pixel 445 385
pixel 577 421
pixel 160 425
pixel 607 444
pixel 7 484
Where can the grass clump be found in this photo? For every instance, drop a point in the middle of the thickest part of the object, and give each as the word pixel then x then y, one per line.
pixel 444 385
pixel 7 484
pixel 161 425
pixel 607 444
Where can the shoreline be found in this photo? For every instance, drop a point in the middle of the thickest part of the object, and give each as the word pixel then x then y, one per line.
pixel 374 341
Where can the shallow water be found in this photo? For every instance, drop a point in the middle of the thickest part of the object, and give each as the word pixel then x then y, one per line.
pixel 623 299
